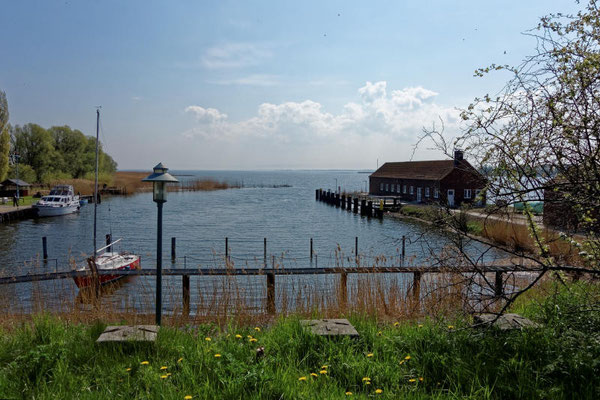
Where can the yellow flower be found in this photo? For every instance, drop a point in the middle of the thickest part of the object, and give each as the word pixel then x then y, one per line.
pixel 188 397
pixel 401 362
pixel 302 378
pixel 238 336
pixel 420 325
pixel 163 368
pixel 411 380
pixel 128 369
pixel 396 323
pixel 366 378
pixel 217 355
pixel 348 393
pixel 164 376
pixel 367 382
pixel 257 329
pixel 370 355
pixel 253 340
pixel 450 326
pixel 180 359
pixel 145 362
pixel 420 379
pixel 313 374
pixel 407 358
pixel 249 336
pixel 168 374
pixel 324 366
pixel 207 339
pixel 378 391
pixel 323 371
pixel 379 333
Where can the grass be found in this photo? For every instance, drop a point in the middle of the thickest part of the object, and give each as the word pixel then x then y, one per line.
pixel 51 358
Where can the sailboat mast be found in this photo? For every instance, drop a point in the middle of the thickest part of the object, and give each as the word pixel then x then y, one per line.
pixel 96 180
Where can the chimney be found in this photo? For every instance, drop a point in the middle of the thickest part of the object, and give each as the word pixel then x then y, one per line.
pixel 458 157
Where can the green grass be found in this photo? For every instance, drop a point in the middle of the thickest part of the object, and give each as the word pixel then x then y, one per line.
pixel 54 359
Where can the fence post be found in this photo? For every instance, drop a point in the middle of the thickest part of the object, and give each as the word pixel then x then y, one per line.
pixel 45 247
pixel 344 290
pixel 416 289
pixel 271 290
pixel 356 249
pixel 403 248
pixel 186 295
pixel 173 249
pixel 498 290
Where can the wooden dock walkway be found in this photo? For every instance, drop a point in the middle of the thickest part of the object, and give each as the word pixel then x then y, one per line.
pixel 10 213
pixel 359 205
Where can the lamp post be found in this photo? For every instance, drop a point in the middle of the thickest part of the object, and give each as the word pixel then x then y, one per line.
pixel 159 178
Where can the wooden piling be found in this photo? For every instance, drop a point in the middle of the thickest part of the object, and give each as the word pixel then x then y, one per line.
pixel 343 290
pixel 416 289
pixel 108 242
pixel 356 248
pixel 226 249
pixel 403 248
pixel 173 249
pixel 317 194
pixel 369 209
pixel 498 289
pixel 45 248
pixel 311 250
pixel 356 205
pixel 186 294
pixel 265 252
pixel 363 207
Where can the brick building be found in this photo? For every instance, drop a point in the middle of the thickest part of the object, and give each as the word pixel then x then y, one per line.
pixel 451 182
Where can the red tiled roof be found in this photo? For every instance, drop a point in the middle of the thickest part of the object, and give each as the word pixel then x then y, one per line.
pixel 428 170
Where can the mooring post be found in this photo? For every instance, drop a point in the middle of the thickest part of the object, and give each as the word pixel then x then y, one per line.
pixel 416 289
pixel 186 295
pixel 343 290
pixel 271 289
pixel 498 289
pixel 265 253
pixel 363 207
pixel 108 242
pixel 173 249
pixel 317 194
pixel 369 208
pixel 356 249
pixel 403 248
pixel 311 250
pixel 226 249
pixel 45 248
pixel 355 205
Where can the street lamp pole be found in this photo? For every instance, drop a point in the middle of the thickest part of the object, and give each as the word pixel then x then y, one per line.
pixel 159 178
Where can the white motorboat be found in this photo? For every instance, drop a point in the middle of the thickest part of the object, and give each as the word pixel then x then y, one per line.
pixel 60 201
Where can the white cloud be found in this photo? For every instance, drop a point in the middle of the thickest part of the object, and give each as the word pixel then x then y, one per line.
pixel 380 123
pixel 235 55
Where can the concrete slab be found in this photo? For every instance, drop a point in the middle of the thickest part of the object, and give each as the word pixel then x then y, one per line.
pixel 330 327
pixel 124 333
pixel 505 322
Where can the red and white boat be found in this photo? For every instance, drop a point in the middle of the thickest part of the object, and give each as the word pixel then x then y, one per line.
pixel 104 260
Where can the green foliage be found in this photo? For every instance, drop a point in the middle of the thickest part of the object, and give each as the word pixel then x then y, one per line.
pixel 52 359
pixel 4 136
pixel 26 173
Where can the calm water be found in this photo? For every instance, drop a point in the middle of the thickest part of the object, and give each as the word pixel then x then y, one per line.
pixel 287 216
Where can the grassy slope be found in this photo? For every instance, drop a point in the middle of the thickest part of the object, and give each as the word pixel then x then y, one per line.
pixel 54 359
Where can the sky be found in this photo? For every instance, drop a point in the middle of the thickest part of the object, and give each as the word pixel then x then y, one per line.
pixel 253 85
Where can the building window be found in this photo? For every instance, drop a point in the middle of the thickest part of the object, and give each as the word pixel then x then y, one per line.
pixel 412 190
pixel 381 187
pixel 392 187
pixel 404 189
pixel 398 188
pixel 436 193
pixel 426 192
pixel 387 187
pixel 467 193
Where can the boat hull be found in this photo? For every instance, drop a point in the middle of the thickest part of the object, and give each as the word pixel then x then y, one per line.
pixel 103 278
pixel 43 211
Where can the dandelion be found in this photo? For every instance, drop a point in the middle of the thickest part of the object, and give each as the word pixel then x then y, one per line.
pixel 378 391
pixel 324 366
pixel 253 340
pixel 238 336
pixel 366 378
pixel 168 374
pixel 420 379
pixel 188 397
pixel 163 368
pixel 367 382
pixel 379 333
pixel 396 323
pixel 450 326
pixel 370 355
pixel 164 376
pixel 323 371
pixel 420 325
pixel 217 355
pixel 313 374
pixel 257 329
pixel 348 393
pixel 250 336
pixel 412 380
pixel 407 358
pixel 207 339
pixel 128 369
pixel 180 359
pixel 302 378
pixel 401 362
pixel 145 362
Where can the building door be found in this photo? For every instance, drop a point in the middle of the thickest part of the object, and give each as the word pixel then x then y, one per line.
pixel 451 197
pixel 419 194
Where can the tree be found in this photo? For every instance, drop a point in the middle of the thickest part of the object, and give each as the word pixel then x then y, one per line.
pixel 4 136
pixel 542 132
pixel 35 146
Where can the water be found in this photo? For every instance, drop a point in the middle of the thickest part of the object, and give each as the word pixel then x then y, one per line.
pixel 287 216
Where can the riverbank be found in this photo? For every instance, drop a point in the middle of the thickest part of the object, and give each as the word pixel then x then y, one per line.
pixel 415 359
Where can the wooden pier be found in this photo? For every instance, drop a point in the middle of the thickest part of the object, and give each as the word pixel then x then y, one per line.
pixel 9 214
pixel 364 206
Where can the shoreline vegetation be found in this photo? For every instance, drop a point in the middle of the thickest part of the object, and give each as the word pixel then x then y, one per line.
pixel 427 356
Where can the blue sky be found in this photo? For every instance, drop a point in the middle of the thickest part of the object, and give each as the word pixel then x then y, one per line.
pixel 258 84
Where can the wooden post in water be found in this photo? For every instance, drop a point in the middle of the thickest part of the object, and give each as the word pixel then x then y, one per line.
pixel 271 290
pixel 343 290
pixel 186 294
pixel 311 250
pixel 349 204
pixel 403 248
pixel 173 249
pixel 226 249
pixel 108 242
pixel 45 248
pixel 416 289
pixel 369 208
pixel 356 205
pixel 317 194
pixel 498 289
pixel 363 207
